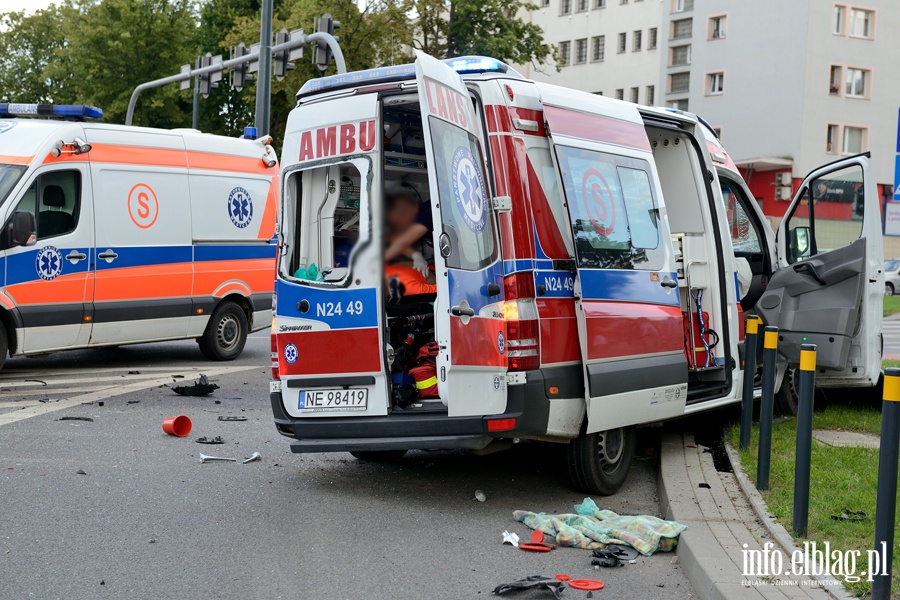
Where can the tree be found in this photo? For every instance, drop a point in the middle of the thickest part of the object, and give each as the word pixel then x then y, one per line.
pixel 28 45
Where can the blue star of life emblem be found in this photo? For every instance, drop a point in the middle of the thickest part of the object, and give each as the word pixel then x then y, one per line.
pixel 240 207
pixel 48 263
pixel 291 354
pixel 468 189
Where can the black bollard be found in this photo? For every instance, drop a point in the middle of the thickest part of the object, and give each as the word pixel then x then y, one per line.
pixel 885 503
pixel 806 390
pixel 750 335
pixel 766 407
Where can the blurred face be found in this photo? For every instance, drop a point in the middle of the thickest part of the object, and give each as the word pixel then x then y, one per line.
pixel 402 213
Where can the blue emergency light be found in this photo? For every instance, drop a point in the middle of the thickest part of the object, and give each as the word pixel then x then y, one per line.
pixel 464 65
pixel 76 112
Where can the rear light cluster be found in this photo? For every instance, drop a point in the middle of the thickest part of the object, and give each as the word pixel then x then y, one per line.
pixel 276 373
pixel 522 328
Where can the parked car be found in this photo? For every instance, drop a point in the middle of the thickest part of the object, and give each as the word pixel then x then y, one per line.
pixel 891 276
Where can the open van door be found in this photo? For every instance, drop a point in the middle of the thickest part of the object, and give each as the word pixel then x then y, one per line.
pixel 829 285
pixel 468 324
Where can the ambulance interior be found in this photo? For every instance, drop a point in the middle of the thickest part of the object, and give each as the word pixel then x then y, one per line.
pixel 700 276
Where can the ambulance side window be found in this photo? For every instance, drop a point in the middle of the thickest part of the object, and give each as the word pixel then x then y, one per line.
pixel 55 200
pixel 744 235
pixel 613 210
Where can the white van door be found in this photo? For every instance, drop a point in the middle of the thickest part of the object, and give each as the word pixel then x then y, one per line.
pixel 468 326
pixel 828 289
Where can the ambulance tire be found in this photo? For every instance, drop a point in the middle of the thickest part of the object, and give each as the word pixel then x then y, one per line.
pixel 598 463
pixel 379 456
pixel 4 345
pixel 226 333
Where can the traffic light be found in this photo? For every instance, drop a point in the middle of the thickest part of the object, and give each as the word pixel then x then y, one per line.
pixel 280 59
pixel 212 79
pixel 326 24
pixel 239 73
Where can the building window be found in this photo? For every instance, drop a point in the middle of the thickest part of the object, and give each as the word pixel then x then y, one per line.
pixel 681 55
pixel 545 3
pixel 861 22
pixel 715 84
pixel 565 53
pixel 651 95
pixel 623 1
pixel 678 104
pixel 682 5
pixel 834 81
pixel 679 82
pixel 652 33
pixel 622 43
pixel 620 94
pixel 854 140
pixel 565 7
pixel 636 40
pixel 682 28
pixel 582 5
pixel 857 83
pixel 599 3
pixel 581 51
pixel 837 27
pixel 635 94
pixel 598 48
pixel 716 28
pixel 830 136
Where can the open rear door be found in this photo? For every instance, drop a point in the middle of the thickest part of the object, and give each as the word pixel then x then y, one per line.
pixel 626 286
pixel 468 325
pixel 828 289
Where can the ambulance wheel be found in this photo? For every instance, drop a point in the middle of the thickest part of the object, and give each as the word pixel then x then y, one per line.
pixel 598 463
pixel 4 345
pixel 226 333
pixel 379 456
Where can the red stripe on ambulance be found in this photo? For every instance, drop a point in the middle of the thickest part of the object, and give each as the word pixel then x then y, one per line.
pixel 338 351
pixel 620 329
pixel 446 103
pixel 337 140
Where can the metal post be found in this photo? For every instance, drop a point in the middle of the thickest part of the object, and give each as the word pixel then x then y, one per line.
pixel 806 391
pixel 885 502
pixel 766 407
pixel 264 83
pixel 195 115
pixel 751 331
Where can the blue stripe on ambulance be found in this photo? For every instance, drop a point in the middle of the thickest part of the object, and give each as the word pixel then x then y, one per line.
pixel 626 285
pixel 471 286
pixel 557 284
pixel 22 268
pixel 342 308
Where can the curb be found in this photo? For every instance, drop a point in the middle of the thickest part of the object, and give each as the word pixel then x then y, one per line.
pixel 779 534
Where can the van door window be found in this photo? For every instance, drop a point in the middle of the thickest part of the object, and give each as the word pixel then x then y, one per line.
pixel 744 234
pixel 9 176
pixel 614 213
pixel 54 198
pixel 466 211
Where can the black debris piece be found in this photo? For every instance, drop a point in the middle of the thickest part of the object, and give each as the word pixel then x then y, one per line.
pixel 605 558
pixel 210 440
pixel 75 419
pixel 623 552
pixel 217 401
pixel 230 418
pixel 531 582
pixel 177 376
pixel 590 595
pixel 133 401
pixel 36 381
pixel 704 485
pixel 201 387
pixel 851 515
pixel 80 472
pixel 134 372
pixel 100 404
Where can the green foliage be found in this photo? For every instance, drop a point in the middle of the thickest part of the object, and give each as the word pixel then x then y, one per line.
pixel 27 45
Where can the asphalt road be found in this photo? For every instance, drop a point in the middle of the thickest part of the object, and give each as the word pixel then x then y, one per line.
pixel 147 520
pixel 891 330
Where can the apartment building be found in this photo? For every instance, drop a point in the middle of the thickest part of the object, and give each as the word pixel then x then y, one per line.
pixel 609 47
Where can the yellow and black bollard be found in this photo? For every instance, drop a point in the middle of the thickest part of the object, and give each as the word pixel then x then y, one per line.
pixel 766 407
pixel 750 335
pixel 885 502
pixel 806 390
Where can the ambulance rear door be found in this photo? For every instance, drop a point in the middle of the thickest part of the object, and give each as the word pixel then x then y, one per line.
pixel 829 285
pixel 468 324
pixel 626 287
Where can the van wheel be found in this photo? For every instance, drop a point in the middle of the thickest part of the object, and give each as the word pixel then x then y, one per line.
pixel 226 333
pixel 379 456
pixel 598 463
pixel 888 289
pixel 4 345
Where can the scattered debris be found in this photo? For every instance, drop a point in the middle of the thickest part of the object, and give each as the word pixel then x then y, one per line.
pixel 80 472
pixel 210 440
pixel 177 376
pixel 605 558
pixel 152 541
pixel 532 582
pixel 510 538
pixel 100 404
pixel 75 419
pixel 561 577
pixel 586 584
pixel 623 552
pixel 532 547
pixel 479 495
pixel 851 515
pixel 41 381
pixel 211 459
pixel 217 401
pixel 133 402
pixel 201 387
pixel 662 585
pixel 179 426
pixel 134 372
pixel 230 418
pixel 255 457
pixel 704 485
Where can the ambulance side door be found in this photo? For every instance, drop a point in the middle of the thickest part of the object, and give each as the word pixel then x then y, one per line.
pixel 471 333
pixel 829 285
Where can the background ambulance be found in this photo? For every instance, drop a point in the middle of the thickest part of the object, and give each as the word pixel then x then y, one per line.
pixel 119 235
pixel 593 261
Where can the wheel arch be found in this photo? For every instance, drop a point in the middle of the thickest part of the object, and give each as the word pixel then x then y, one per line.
pixel 8 322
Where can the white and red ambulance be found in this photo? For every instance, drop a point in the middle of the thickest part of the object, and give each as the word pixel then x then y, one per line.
pixel 118 235
pixel 592 261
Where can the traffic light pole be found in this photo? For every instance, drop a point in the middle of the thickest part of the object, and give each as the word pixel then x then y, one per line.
pixel 252 56
pixel 264 86
pixel 195 108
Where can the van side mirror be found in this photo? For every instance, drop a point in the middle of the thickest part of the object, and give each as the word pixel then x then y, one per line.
pixel 20 230
pixel 801 246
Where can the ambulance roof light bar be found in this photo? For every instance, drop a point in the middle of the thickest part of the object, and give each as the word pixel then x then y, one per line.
pixel 71 112
pixel 464 65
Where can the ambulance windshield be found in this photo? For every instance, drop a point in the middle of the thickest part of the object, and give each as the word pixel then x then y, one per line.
pixel 9 175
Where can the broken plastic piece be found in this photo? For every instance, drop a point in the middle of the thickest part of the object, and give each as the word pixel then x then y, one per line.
pixel 586 584
pixel 511 538
pixel 531 547
pixel 201 387
pixel 479 495
pixel 256 456
pixel 76 419
pixel 211 459
pixel 537 536
pixel 210 440
pixel 531 582
pixel 228 418
pixel 561 577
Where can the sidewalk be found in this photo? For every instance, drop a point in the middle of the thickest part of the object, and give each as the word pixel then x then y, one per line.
pixel 720 522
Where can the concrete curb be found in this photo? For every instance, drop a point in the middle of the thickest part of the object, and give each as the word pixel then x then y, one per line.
pixel 779 534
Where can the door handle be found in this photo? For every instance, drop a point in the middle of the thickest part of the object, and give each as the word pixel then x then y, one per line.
pixel 458 311
pixel 74 256
pixel 668 283
pixel 108 256
pixel 809 270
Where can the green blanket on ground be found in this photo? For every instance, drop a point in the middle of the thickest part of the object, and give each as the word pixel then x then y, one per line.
pixel 594 528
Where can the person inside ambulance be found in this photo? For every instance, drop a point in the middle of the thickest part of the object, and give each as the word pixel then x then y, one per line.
pixel 408 225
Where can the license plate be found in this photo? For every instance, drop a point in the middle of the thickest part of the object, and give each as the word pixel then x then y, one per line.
pixel 328 400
